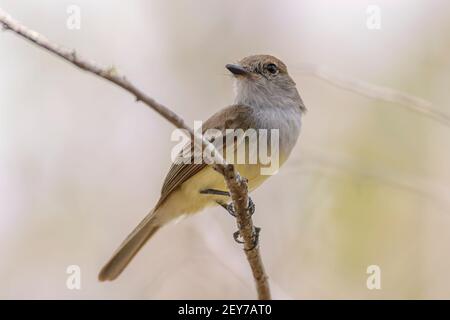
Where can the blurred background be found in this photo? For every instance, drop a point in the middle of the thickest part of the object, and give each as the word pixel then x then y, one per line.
pixel 81 163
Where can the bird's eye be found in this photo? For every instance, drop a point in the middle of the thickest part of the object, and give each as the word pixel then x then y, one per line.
pixel 272 68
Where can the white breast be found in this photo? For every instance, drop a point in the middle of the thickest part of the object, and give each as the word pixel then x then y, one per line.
pixel 288 121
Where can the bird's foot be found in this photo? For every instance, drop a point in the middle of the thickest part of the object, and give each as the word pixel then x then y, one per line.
pixel 251 206
pixel 229 207
pixel 231 210
pixel 255 237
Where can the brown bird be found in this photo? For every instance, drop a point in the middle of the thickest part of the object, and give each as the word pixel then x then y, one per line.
pixel 266 99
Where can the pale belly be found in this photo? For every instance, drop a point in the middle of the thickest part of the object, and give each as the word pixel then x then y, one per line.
pixel 187 199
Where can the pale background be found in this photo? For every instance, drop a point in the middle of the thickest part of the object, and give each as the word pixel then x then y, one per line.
pixel 81 163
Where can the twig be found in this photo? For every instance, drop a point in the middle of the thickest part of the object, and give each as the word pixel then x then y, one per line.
pixel 223 252
pixel 338 163
pixel 373 91
pixel 238 189
pixel 236 184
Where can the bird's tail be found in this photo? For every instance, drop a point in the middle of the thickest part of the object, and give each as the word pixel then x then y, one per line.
pixel 130 247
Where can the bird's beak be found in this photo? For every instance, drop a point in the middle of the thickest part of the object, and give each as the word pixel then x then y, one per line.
pixel 237 70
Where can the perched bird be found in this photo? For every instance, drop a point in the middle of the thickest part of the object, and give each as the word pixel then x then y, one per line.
pixel 266 99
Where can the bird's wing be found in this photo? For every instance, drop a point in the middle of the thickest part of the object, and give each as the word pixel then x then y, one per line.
pixel 231 117
pixel 179 172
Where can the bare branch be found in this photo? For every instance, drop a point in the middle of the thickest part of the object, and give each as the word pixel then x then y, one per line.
pixel 339 163
pixel 223 253
pixel 372 91
pixel 238 189
pixel 236 184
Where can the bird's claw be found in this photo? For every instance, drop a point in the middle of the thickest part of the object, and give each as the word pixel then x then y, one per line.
pixel 230 207
pixel 251 206
pixel 255 238
pixel 236 236
pixel 231 210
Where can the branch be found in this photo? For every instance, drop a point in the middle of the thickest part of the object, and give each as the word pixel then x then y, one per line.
pixel 339 163
pixel 373 91
pixel 210 231
pixel 236 185
pixel 239 194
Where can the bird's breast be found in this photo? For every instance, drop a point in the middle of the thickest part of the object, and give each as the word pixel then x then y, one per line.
pixel 286 123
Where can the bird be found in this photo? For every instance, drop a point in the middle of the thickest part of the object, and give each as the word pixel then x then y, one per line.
pixel 266 99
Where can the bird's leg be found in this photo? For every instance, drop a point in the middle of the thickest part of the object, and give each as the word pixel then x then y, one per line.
pixel 256 230
pixel 215 192
pixel 230 209
pixel 236 235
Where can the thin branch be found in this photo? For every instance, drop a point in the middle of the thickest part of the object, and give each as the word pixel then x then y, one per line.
pixel 373 91
pixel 210 231
pixel 339 163
pixel 238 189
pixel 236 184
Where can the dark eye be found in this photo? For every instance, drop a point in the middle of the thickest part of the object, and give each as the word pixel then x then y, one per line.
pixel 272 68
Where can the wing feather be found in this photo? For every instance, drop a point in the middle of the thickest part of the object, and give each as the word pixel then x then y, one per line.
pixel 231 117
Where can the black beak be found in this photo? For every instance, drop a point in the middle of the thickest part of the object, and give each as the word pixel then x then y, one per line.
pixel 236 69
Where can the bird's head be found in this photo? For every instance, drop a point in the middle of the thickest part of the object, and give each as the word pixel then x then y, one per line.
pixel 263 81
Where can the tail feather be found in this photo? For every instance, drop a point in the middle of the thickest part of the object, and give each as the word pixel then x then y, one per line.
pixel 129 248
